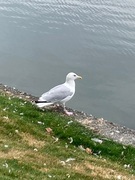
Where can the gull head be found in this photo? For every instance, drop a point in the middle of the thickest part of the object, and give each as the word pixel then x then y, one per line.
pixel 72 76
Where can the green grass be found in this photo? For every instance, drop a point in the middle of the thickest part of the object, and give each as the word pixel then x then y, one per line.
pixel 27 151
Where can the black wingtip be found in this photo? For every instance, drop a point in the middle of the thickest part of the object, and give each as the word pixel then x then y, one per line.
pixel 40 101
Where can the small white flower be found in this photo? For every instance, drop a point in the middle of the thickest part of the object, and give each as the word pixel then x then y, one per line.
pixel 81 148
pixel 119 177
pixel 97 140
pixel 126 165
pixel 35 149
pixel 56 139
pixel 39 122
pixel 70 159
pixel 68 175
pixel 5 117
pixel 66 146
pixel 16 131
pixel 5 165
pixel 70 139
pixel 50 176
pixel 70 122
pixel 63 163
pixel 6 146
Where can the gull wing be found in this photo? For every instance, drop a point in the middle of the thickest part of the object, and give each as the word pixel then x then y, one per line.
pixel 56 94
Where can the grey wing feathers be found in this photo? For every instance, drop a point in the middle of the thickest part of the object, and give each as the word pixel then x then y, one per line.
pixel 57 94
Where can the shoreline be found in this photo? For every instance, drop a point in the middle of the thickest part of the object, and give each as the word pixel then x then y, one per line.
pixel 109 130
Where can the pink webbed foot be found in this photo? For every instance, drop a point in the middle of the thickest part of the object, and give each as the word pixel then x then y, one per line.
pixel 68 113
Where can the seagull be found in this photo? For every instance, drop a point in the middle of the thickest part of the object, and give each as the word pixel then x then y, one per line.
pixel 59 94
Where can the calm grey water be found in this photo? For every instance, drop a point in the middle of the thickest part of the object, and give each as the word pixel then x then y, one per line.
pixel 42 40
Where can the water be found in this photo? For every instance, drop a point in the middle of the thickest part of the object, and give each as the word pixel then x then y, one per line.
pixel 42 40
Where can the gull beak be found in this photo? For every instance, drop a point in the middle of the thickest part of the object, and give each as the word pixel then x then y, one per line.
pixel 79 77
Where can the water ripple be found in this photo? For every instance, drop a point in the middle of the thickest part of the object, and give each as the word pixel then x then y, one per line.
pixel 91 36
pixel 115 20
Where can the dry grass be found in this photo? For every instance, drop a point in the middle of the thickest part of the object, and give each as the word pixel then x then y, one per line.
pixel 31 156
pixel 31 140
pixel 90 166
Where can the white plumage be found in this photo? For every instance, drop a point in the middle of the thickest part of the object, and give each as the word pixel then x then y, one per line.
pixel 60 94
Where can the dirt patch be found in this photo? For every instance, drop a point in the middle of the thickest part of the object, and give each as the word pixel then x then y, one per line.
pixel 12 154
pixel 101 171
pixel 27 156
pixel 6 119
pixel 31 140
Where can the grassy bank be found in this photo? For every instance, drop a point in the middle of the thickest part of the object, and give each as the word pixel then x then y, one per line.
pixel 37 144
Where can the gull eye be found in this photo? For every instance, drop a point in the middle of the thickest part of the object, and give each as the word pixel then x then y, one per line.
pixel 74 75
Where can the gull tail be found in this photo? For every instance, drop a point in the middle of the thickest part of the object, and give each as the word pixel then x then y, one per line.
pixel 41 104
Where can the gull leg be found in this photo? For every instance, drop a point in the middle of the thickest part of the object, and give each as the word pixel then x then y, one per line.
pixel 67 112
